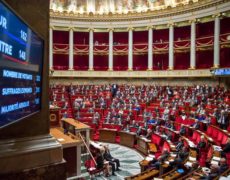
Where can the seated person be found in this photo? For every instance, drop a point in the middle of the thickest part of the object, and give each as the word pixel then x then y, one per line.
pixel 181 156
pixel 226 148
pixel 149 134
pixel 155 163
pixel 214 172
pixel 182 130
pixel 112 160
pixel 139 131
pixel 201 145
pixel 223 165
pixel 179 144
pixel 101 163
pixel 196 125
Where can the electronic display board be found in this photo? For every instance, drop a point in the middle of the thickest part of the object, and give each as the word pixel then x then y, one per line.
pixel 21 60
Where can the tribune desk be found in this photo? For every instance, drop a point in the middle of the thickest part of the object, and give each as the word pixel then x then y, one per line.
pixel 108 135
pixel 142 144
pixel 127 138
pixel 75 127
pixel 71 151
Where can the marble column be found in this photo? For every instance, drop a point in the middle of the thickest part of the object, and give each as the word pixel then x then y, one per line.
pixel 193 45
pixel 130 55
pixel 110 49
pixel 150 48
pixel 171 48
pixel 216 63
pixel 90 49
pixel 71 49
pixel 51 48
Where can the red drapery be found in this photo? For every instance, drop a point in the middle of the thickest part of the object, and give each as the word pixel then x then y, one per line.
pixel 61 61
pixel 102 38
pixel 162 34
pixel 160 61
pixel 140 37
pixel 120 38
pixel 81 38
pixel 204 59
pixel 140 62
pixel 182 60
pixel 61 37
pixel 100 63
pixel 81 62
pixel 182 33
pixel 120 63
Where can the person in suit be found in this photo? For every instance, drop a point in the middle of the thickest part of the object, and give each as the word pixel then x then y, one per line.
pixel 112 161
pixel 139 131
pixel 223 166
pixel 155 163
pixel 179 144
pixel 223 120
pixel 149 134
pixel 196 125
pixel 226 148
pixel 101 163
pixel 182 131
pixel 114 89
pixel 182 154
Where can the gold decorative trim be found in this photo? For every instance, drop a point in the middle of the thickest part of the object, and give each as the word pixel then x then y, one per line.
pixel 190 8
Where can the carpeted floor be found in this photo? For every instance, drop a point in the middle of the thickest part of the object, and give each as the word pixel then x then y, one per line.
pixel 129 160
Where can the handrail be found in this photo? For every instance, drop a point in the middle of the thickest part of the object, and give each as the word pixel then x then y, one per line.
pixel 87 148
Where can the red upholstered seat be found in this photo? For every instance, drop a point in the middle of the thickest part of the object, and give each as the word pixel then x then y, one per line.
pixel 209 131
pixel 156 139
pixel 224 140
pixel 228 158
pixel 219 137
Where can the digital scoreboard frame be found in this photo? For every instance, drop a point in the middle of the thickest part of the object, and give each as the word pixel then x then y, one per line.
pixel 21 67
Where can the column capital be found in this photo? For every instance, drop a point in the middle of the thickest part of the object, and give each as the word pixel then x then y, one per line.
pixel 110 29
pixel 130 29
pixel 90 29
pixel 218 15
pixel 171 24
pixel 70 28
pixel 150 27
pixel 192 21
pixel 51 27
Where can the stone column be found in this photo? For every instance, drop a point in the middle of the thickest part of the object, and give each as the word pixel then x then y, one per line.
pixel 71 49
pixel 193 45
pixel 110 49
pixel 130 55
pixel 171 48
pixel 51 48
pixel 216 63
pixel 90 49
pixel 150 48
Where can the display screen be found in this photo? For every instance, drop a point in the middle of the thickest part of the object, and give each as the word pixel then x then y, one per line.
pixel 21 59
pixel 222 72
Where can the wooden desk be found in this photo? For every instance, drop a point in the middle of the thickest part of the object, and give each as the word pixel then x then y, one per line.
pixel 107 135
pixel 71 151
pixel 75 127
pixel 127 138
pixel 142 145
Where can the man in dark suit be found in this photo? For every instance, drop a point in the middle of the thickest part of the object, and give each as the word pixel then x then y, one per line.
pixel 114 89
pixel 223 165
pixel 112 160
pixel 196 125
pixel 226 148
pixel 182 154
pixel 182 130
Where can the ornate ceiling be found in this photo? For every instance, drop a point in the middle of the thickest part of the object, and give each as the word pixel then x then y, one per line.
pixel 103 7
